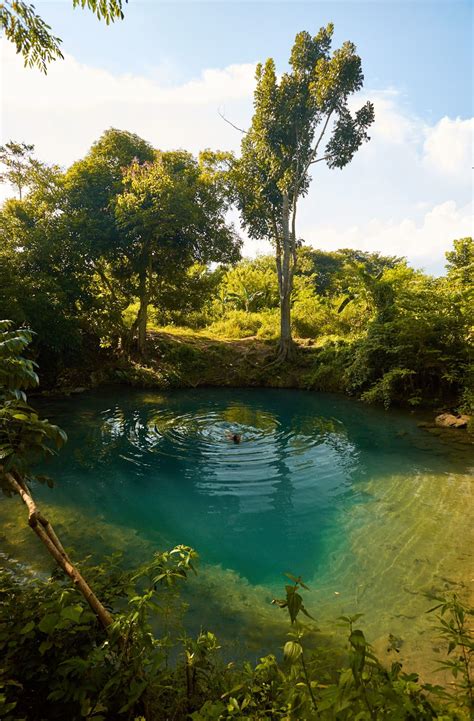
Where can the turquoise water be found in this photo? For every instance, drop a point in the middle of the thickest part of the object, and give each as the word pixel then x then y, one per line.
pixel 369 508
pixel 162 464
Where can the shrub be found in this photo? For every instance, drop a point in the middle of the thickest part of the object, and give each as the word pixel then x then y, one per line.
pixel 56 662
pixel 392 386
pixel 270 324
pixel 329 372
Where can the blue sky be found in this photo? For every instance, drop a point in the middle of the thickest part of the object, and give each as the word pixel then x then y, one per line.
pixel 422 48
pixel 166 70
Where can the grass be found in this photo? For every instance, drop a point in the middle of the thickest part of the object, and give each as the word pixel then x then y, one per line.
pixel 180 357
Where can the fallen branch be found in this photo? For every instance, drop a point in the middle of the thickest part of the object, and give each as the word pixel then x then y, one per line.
pixel 47 535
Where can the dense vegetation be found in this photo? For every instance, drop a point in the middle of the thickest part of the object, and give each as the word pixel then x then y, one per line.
pixel 57 662
pixel 130 239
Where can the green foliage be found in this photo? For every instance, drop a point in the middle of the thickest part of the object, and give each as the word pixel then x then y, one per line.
pixel 128 235
pixel 55 660
pixel 78 242
pixel 291 118
pixel 107 10
pixel 56 663
pixel 24 437
pixel 419 336
pixel 237 324
pixel 393 384
pixel 363 690
pixel 313 316
pixel 454 626
pixel 460 262
pixel 172 213
pixel 283 142
pixel 18 164
pixel 33 38
pixel 250 286
pixel 329 368
pixel 141 376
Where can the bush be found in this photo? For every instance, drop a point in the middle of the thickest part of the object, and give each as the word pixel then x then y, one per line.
pixel 392 386
pixel 57 663
pixel 329 373
pixel 270 325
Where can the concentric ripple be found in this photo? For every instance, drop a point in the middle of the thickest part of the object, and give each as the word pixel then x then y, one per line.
pixel 165 466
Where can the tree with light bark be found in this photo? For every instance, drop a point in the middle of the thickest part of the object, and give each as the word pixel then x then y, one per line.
pixel 300 119
pixel 18 165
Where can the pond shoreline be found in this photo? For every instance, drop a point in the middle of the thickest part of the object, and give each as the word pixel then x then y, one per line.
pixel 193 360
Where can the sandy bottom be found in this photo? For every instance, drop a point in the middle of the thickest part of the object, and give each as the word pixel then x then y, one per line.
pixel 410 538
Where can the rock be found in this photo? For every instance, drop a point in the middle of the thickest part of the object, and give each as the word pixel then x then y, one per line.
pixel 449 420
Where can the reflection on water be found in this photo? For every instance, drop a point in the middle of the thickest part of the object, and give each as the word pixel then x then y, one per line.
pixel 369 508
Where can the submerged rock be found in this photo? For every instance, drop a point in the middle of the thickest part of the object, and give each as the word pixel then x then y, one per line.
pixel 449 420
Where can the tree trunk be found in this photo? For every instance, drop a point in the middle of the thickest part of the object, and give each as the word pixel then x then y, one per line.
pixel 45 532
pixel 144 297
pixel 285 345
pixel 285 281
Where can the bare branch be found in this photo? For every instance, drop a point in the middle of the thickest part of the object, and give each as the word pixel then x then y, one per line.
pixel 320 160
pixel 313 154
pixel 236 127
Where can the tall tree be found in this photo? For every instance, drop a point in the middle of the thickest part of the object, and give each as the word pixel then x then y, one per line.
pixel 293 117
pixel 173 212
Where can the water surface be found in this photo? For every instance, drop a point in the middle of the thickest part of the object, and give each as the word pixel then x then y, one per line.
pixel 370 509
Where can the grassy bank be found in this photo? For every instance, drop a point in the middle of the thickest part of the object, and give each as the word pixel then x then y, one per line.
pixel 182 358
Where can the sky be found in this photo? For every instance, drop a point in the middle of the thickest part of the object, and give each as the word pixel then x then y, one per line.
pixel 169 68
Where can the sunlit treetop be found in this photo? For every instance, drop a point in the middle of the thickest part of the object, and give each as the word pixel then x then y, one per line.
pixel 294 116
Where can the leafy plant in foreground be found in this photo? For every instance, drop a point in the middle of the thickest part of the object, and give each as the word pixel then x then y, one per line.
pixel 24 437
pixel 56 661
pixel 455 625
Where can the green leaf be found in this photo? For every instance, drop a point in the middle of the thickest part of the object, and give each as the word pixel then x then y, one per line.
pixel 45 646
pixel 292 650
pixel 49 622
pixel 5 451
pixel 72 613
pixel 27 627
pixel 295 602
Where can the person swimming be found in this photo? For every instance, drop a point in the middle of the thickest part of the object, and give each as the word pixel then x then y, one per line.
pixel 235 437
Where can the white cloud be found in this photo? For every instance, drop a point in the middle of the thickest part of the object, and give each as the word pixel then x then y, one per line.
pixel 65 111
pixel 406 192
pixel 424 243
pixel 448 146
pixel 393 124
